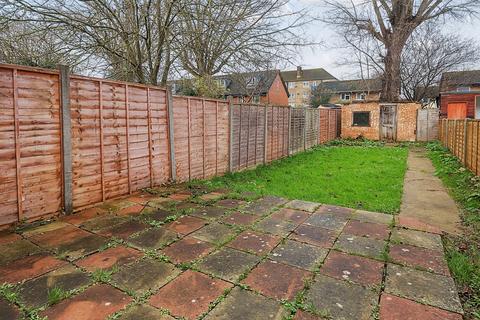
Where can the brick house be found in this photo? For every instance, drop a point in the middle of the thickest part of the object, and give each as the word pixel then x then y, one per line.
pixel 351 91
pixel 302 82
pixel 266 87
pixel 460 95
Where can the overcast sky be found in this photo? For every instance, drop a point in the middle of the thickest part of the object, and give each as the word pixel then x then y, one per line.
pixel 328 56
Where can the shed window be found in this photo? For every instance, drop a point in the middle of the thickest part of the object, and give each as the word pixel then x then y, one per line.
pixel 345 96
pixel 361 119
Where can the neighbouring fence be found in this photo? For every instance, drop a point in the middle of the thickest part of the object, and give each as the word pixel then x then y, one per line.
pixel 68 142
pixel 462 138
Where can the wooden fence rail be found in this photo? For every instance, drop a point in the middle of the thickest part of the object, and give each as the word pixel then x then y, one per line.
pixel 68 142
pixel 462 138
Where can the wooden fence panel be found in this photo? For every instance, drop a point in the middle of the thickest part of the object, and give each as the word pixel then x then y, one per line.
pixel 31 146
pixel 462 138
pixel 120 139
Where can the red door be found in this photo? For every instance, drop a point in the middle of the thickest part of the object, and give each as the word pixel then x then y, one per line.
pixel 457 110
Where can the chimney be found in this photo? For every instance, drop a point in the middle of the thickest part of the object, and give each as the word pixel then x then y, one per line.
pixel 299 72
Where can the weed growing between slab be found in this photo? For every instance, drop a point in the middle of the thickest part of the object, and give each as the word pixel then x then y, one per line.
pixel 366 176
pixel 462 252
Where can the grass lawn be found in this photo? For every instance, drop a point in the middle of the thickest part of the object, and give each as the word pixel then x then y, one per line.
pixel 364 177
pixel 463 251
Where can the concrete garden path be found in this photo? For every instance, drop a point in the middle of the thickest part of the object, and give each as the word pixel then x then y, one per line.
pixel 210 256
pixel 425 197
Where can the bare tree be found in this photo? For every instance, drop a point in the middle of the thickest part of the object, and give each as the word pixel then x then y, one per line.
pixel 23 43
pixel 225 35
pixel 132 37
pixel 391 23
pixel 428 54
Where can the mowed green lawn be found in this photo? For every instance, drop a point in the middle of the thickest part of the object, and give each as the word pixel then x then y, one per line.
pixel 368 178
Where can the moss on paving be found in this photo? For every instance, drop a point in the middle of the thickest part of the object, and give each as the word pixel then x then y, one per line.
pixel 366 176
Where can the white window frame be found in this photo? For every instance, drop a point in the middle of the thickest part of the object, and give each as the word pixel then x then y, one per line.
pixel 361 96
pixel 463 89
pixel 344 95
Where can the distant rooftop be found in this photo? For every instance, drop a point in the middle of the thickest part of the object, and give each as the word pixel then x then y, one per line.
pixel 359 85
pixel 306 75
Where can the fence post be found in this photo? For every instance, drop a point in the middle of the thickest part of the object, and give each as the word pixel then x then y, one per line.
pixel 265 138
pixel 304 129
pixel 171 138
pixel 446 134
pixel 289 131
pixel 66 138
pixel 465 132
pixel 230 126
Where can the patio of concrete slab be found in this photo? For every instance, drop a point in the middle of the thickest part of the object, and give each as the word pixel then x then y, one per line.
pixel 213 256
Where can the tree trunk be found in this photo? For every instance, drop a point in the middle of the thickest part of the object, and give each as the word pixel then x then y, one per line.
pixel 394 45
pixel 391 82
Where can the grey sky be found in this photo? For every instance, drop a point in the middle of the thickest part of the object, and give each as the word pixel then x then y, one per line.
pixel 328 56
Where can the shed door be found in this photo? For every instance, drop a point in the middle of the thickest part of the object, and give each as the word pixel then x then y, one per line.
pixel 457 110
pixel 388 122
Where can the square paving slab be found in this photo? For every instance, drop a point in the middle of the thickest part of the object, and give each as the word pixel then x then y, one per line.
pixel 327 221
pixel 123 230
pixel 314 235
pixel 424 287
pixel 153 238
pixel 264 205
pixel 189 295
pixel 214 233
pixel 395 308
pixel 361 246
pixel 303 205
pixel 117 256
pixel 341 300
pixel 209 212
pixel 277 280
pixel 297 254
pixel 290 215
pixel 81 247
pixel 144 275
pixel 187 249
pixel 427 259
pixel 29 267
pixel 276 226
pixel 95 303
pixel 102 222
pixel 245 305
pixel 373 217
pixel 228 264
pixel 360 270
pixel 258 243
pixel 303 315
pixel 8 311
pixel 339 211
pixel 367 229
pixel 230 203
pixel 239 218
pixel 417 238
pixel 34 293
pixel 156 214
pixel 16 250
pixel 145 312
pixel 186 224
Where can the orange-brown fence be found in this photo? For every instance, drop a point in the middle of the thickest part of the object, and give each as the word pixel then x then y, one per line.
pixel 462 138
pixel 69 142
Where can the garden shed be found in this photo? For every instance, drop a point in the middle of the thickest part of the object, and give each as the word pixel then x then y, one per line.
pixel 380 121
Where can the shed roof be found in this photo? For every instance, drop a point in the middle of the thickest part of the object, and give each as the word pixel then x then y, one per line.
pixel 459 78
